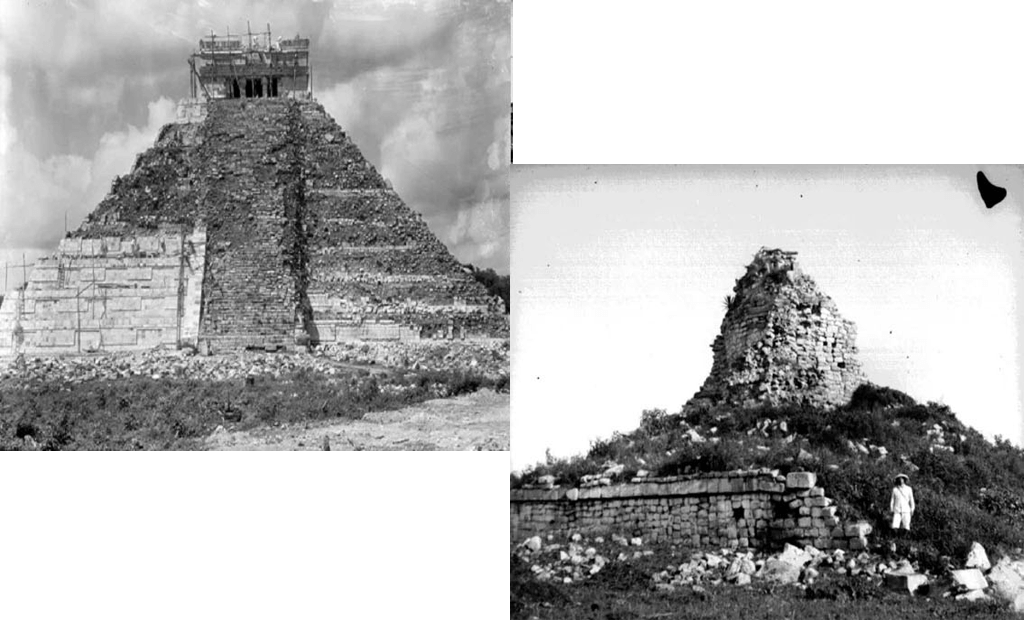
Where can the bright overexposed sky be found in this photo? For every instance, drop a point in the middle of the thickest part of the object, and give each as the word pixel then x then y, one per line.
pixel 620 274
pixel 422 87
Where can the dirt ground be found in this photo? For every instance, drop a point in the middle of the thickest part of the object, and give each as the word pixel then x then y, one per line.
pixel 478 421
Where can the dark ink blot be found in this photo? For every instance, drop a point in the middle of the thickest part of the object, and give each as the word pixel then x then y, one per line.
pixel 990 194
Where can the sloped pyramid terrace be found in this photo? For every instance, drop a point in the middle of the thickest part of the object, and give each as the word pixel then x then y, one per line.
pixel 251 223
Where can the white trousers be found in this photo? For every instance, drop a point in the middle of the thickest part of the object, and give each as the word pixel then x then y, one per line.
pixel 901 519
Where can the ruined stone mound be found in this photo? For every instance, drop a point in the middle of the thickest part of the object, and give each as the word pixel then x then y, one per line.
pixel 782 341
pixel 251 223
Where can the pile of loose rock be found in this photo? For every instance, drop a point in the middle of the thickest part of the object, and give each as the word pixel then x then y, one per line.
pixel 979 580
pixel 580 558
pixel 576 559
pixel 488 359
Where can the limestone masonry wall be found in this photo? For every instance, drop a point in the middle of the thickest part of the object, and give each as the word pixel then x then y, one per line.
pixel 782 341
pixel 108 294
pixel 730 509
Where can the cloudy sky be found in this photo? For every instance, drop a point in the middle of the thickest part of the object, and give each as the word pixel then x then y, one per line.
pixel 422 87
pixel 621 272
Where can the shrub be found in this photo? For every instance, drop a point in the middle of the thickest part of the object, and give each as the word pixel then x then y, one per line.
pixel 871 396
pixel 655 422
pixel 1001 502
pixel 25 429
pixel 951 523
pixel 704 457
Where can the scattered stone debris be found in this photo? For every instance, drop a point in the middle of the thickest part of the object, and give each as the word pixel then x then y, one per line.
pixel 486 358
pixel 580 557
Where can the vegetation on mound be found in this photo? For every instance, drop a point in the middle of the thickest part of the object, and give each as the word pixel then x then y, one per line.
pixel 496 285
pixel 967 488
pixel 139 412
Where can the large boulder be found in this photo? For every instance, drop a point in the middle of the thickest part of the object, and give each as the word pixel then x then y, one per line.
pixel 977 558
pixel 1007 582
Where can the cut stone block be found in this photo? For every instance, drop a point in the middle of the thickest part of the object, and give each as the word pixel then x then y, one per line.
pixel 801 480
pixel 905 582
pixel 970 579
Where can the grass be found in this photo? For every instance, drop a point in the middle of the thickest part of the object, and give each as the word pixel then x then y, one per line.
pixel 967 488
pixel 625 594
pixel 175 413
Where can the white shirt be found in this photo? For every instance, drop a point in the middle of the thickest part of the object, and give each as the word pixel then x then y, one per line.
pixel 902 499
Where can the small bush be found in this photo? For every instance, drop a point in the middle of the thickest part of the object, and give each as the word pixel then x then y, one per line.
pixel 871 396
pixel 655 422
pixel 704 457
pixel 25 429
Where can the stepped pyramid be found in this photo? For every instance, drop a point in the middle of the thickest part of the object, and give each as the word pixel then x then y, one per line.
pixel 253 222
pixel 782 341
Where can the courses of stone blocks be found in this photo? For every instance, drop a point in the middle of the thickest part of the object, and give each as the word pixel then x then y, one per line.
pixel 305 241
pixel 782 341
pixel 730 509
pixel 112 294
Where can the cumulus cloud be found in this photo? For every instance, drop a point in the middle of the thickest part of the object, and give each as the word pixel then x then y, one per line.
pixel 422 87
pixel 37 193
pixel 438 127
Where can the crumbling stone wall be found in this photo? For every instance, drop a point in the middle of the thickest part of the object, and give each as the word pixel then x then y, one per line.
pixel 782 341
pixel 109 294
pixel 730 509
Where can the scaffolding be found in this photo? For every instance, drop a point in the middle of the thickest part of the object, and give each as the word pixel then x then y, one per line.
pixel 252 65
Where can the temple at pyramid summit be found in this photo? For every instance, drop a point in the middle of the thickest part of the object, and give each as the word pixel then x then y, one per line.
pixel 254 221
pixel 782 341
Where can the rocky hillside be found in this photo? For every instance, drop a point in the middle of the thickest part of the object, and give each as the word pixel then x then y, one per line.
pixel 967 488
pixel 964 555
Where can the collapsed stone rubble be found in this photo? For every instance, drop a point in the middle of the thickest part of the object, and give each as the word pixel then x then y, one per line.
pixel 578 557
pixel 486 358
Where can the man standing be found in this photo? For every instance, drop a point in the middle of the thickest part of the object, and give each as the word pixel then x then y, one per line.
pixel 902 503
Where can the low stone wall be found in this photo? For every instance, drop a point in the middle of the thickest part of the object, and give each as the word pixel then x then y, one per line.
pixel 108 294
pixel 734 509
